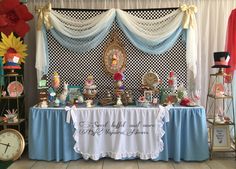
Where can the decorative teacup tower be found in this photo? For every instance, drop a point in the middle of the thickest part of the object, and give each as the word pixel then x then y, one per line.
pixel 172 81
pixel 53 95
pixel 55 81
pixel 90 89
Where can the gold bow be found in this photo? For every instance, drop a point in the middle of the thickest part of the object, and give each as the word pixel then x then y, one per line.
pixel 43 17
pixel 189 16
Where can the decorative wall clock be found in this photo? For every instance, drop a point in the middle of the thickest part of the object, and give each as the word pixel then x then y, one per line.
pixel 114 56
pixel 12 144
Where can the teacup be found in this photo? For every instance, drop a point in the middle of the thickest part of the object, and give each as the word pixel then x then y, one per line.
pixel 89 103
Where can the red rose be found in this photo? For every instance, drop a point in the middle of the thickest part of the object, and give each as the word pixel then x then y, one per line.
pixel 118 76
pixel 185 102
pixel 13 17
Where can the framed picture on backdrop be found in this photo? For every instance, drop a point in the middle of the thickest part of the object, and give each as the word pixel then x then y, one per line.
pixel 114 58
pixel 74 92
pixel 148 96
pixel 221 137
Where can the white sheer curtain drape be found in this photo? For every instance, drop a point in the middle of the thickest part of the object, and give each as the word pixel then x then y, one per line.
pixel 212 20
pixel 108 4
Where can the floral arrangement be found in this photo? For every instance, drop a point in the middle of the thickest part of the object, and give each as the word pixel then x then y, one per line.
pixel 11 115
pixel 119 77
pixel 185 101
pixel 181 92
pixel 13 17
pixel 119 86
pixel 12 44
pixel 11 112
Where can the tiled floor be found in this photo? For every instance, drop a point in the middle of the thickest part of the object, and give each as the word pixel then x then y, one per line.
pixel 216 163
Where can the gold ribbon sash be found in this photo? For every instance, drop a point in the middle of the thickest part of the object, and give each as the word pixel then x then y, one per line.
pixel 43 17
pixel 189 16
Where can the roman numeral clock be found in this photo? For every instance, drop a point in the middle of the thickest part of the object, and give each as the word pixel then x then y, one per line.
pixel 150 81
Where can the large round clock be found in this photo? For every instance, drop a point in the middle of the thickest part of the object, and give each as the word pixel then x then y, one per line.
pixel 150 80
pixel 114 58
pixel 12 144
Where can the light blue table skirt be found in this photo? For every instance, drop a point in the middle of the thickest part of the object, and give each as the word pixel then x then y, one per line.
pixel 51 138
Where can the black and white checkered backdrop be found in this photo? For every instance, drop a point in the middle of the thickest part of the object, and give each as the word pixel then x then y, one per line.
pixel 75 67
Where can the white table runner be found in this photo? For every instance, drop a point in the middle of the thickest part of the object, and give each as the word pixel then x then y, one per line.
pixel 119 132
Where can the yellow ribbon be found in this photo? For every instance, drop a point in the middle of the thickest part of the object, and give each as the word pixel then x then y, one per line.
pixel 189 16
pixel 43 17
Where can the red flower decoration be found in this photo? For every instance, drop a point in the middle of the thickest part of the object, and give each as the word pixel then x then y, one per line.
pixel 118 76
pixel 172 73
pixel 170 99
pixel 185 102
pixel 13 17
pixel 170 82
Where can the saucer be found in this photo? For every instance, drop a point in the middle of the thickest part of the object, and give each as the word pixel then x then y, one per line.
pixel 118 105
pixel 90 106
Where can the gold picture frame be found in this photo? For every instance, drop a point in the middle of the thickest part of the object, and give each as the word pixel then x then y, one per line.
pixel 220 138
pixel 114 56
pixel 74 92
pixel 148 96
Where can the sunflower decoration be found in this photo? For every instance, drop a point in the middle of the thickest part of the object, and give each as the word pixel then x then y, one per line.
pixel 13 51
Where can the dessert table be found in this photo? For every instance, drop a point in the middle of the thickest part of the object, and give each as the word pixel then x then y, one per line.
pixel 185 135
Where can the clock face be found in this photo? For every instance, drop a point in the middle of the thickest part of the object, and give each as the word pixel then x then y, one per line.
pixel 150 79
pixel 114 58
pixel 11 144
